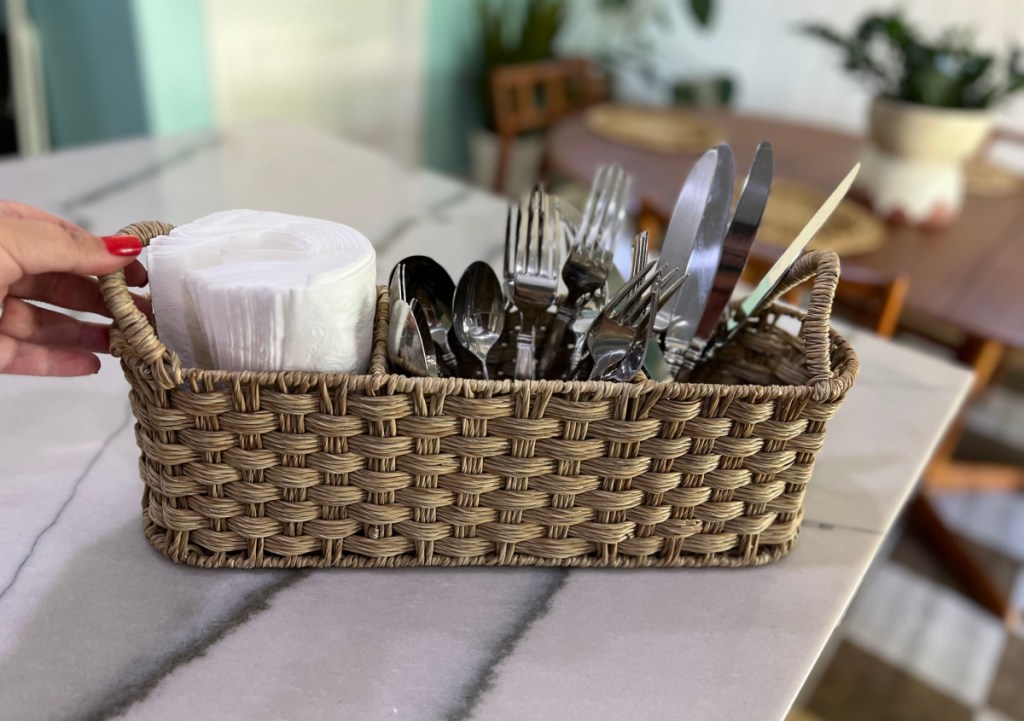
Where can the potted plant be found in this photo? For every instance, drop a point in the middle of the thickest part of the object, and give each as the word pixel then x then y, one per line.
pixel 514 32
pixel 930 115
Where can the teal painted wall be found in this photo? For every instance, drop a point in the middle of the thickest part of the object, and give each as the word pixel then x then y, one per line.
pixel 452 105
pixel 173 65
pixel 122 68
pixel 93 81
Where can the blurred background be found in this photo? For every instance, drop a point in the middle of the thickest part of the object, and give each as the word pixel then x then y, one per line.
pixel 405 76
pixel 451 85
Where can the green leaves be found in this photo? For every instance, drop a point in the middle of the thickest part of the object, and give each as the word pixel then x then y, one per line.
pixel 701 10
pixel 519 35
pixel 890 55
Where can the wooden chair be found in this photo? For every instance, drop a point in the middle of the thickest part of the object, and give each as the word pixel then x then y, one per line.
pixel 867 297
pixel 531 96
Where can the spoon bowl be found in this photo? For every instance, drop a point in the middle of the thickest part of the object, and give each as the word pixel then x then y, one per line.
pixel 479 311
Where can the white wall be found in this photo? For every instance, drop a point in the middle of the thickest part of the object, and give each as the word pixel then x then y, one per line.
pixel 782 72
pixel 349 67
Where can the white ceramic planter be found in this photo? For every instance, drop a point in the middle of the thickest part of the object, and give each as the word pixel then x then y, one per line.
pixel 912 168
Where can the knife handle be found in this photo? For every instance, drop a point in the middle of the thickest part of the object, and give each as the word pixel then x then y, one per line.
pixel 674 356
pixel 692 357
pixel 525 368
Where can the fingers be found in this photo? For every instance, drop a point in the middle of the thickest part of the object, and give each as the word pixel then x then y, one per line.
pixel 135 275
pixel 22 321
pixel 19 357
pixel 31 247
pixel 12 209
pixel 74 292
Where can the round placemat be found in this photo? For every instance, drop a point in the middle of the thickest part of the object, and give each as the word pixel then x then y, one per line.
pixel 663 130
pixel 852 229
pixel 986 179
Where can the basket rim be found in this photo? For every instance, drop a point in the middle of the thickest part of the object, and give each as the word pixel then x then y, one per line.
pixel 380 381
pixel 134 340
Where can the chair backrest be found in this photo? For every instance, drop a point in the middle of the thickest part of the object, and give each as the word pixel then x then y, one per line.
pixel 868 297
pixel 531 96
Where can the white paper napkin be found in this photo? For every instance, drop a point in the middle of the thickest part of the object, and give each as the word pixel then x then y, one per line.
pixel 256 290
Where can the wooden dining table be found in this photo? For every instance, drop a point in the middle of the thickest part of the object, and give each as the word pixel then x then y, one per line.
pixel 967 277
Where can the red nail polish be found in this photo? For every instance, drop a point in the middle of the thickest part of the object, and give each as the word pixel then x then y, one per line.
pixel 123 245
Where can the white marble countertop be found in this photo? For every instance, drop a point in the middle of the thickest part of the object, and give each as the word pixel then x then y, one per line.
pixel 96 625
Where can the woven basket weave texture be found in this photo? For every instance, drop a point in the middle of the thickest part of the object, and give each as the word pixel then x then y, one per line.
pixel 296 469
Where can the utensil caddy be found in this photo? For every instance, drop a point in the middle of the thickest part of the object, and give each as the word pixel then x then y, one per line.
pixel 297 469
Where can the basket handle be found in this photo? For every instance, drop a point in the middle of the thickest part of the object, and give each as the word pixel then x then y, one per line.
pixel 138 332
pixel 823 266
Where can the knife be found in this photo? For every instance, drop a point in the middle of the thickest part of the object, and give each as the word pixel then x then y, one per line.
pixel 702 263
pixel 691 208
pixel 738 239
pixel 754 303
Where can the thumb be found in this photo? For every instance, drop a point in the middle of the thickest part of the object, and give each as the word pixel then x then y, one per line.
pixel 31 246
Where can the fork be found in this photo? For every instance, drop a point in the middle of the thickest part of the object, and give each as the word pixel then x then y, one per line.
pixel 641 320
pixel 641 247
pixel 589 261
pixel 615 333
pixel 534 274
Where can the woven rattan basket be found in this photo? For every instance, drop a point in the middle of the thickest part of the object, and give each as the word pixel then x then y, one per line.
pixel 295 469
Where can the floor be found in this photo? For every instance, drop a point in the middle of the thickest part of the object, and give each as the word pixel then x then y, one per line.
pixel 913 646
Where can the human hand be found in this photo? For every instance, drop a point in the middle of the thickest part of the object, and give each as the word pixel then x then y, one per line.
pixel 47 259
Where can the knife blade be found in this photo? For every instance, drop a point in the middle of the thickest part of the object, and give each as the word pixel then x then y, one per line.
pixel 738 239
pixel 688 306
pixel 690 210
pixel 754 303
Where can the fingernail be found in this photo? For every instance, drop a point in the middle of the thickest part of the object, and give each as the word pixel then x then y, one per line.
pixel 123 245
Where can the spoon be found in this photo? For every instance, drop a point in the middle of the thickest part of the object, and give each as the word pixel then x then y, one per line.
pixel 424 334
pixel 479 310
pixel 406 349
pixel 427 282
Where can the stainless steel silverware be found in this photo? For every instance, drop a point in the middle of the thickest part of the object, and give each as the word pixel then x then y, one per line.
pixel 736 247
pixel 479 309
pixel 586 267
pixel 687 309
pixel 535 274
pixel 705 183
pixel 426 281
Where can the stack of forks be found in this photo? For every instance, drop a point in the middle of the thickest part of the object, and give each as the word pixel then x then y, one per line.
pixel 608 345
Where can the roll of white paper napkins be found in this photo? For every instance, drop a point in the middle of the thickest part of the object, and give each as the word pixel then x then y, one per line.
pixel 256 290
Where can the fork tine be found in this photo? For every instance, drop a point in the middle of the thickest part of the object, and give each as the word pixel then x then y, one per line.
pixel 639 295
pixel 530 219
pixel 509 245
pixel 605 199
pixel 588 208
pixel 598 193
pixel 555 229
pixel 617 214
pixel 628 288
pixel 639 255
pixel 611 206
pixel 623 203
pixel 643 308
pixel 667 293
pixel 542 219
pixel 517 267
